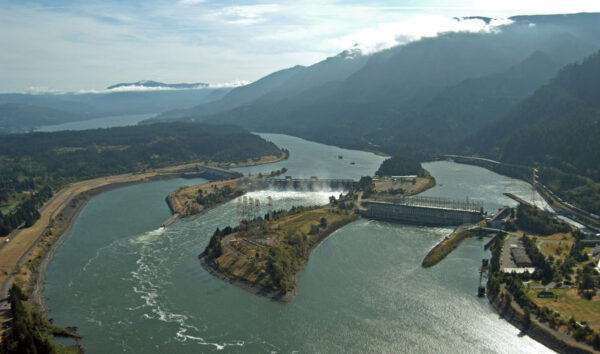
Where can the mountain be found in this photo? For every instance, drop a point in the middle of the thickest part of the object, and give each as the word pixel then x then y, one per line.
pixel 461 110
pixel 558 125
pixel 279 85
pixel 429 94
pixel 237 97
pixel 155 84
pixel 556 129
pixel 93 105
pixel 15 118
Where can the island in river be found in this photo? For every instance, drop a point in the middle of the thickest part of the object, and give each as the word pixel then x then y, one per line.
pixel 266 255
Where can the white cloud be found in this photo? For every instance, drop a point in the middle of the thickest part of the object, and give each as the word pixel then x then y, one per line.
pixel 246 15
pixel 387 35
pixel 98 44
pixel 191 2
pixel 236 83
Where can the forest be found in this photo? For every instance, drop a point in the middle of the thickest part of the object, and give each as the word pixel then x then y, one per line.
pixel 539 222
pixel 401 165
pixel 33 165
pixel 556 128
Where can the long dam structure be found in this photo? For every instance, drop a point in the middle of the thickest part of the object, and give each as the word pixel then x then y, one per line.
pixel 305 184
pixel 425 211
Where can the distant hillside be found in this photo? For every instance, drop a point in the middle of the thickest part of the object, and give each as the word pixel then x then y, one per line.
pixel 34 164
pixel 93 105
pixel 237 97
pixel 15 118
pixel 463 109
pixel 156 84
pixel 558 125
pixel 557 128
pixel 277 87
pixel 423 96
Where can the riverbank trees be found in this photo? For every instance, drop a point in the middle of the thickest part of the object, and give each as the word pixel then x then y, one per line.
pixel 30 332
pixel 32 165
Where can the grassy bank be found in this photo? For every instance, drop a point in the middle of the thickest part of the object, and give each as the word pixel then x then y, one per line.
pixel 444 248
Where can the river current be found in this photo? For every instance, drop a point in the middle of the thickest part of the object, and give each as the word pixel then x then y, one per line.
pixel 131 286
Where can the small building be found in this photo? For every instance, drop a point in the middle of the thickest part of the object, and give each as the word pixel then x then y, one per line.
pixel 409 178
pixel 546 295
pixel 520 257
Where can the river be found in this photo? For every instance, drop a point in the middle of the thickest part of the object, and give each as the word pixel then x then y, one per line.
pixel 102 122
pixel 133 287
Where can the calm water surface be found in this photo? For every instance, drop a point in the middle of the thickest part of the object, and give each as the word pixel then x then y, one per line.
pixel 133 287
pixel 103 122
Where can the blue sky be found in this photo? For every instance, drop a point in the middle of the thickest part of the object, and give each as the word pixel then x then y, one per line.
pixel 73 45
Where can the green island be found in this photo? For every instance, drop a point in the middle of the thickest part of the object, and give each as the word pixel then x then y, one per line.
pixel 266 255
pixel 401 175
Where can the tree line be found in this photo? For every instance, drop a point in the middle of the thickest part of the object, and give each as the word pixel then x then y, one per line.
pixel 32 165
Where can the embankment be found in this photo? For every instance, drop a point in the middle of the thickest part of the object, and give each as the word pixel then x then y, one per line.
pixel 446 246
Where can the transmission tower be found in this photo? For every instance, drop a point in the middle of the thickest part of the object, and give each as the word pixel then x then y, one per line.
pixel 270 205
pixel 534 177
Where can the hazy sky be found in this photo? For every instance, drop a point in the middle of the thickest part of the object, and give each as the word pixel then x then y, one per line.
pixel 73 45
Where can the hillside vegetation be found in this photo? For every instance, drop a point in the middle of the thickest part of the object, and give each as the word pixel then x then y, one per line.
pixel 557 128
pixel 401 165
pixel 32 165
pixel 418 98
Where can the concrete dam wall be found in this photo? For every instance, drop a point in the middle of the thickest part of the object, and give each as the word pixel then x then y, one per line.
pixel 423 211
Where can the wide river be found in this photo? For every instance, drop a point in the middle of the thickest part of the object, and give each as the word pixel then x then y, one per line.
pixel 131 286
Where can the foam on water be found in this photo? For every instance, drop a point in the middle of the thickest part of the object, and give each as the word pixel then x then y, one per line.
pixel 149 236
pixel 149 280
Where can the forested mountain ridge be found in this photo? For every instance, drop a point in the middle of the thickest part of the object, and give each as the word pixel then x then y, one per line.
pixel 429 94
pixel 280 85
pixel 32 165
pixel 556 128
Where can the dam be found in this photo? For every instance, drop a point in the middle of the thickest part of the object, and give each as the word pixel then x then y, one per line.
pixel 305 184
pixel 425 211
